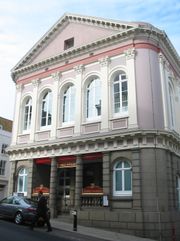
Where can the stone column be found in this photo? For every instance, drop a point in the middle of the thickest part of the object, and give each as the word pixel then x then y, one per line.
pixel 52 195
pixel 104 63
pixel 30 178
pixel 35 104
pixel 106 173
pixel 12 180
pixel 17 122
pixel 79 179
pixel 132 98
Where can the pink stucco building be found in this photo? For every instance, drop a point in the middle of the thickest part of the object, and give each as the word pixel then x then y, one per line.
pixel 97 123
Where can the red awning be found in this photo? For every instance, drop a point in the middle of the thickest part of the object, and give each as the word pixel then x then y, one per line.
pixel 43 161
pixel 92 156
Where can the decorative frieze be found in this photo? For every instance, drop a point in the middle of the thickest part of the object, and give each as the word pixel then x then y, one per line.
pixel 162 140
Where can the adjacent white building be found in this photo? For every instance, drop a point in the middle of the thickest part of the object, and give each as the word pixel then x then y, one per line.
pixel 5 141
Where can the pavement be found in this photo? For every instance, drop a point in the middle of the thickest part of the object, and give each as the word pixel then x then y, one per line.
pixel 95 232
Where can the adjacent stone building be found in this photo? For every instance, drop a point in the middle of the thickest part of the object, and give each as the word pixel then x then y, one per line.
pixel 5 140
pixel 97 124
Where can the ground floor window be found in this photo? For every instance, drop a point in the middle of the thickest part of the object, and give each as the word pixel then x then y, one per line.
pixel 22 181
pixel 122 178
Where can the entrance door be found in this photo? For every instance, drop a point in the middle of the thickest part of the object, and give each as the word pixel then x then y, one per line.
pixel 66 188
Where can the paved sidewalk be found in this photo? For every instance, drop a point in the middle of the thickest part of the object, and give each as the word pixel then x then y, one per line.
pixel 95 232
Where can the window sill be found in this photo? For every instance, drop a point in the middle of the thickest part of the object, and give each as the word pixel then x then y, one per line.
pixel 117 198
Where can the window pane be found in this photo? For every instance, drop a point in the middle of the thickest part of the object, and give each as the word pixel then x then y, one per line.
pixel 20 184
pixel 119 165
pixel 126 164
pixel 127 174
pixel 118 184
pixel 25 184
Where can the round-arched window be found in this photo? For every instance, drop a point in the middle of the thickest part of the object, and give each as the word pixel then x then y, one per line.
pixel 122 179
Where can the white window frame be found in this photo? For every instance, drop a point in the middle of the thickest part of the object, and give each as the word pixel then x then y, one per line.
pixel 23 175
pixel 27 115
pixel 122 78
pixel 68 105
pixel 94 99
pixel 46 103
pixel 122 192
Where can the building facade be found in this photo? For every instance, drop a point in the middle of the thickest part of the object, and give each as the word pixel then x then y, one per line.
pixel 97 124
pixel 5 141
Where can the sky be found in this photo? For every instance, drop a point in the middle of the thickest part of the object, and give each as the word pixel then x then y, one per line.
pixel 24 22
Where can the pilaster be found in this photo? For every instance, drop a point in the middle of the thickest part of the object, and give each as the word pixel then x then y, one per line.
pixel 35 104
pixel 16 121
pixel 56 77
pixel 104 63
pixel 106 173
pixel 79 77
pixel 30 178
pixel 162 63
pixel 132 99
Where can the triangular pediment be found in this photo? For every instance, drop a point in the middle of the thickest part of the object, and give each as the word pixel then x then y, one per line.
pixel 83 30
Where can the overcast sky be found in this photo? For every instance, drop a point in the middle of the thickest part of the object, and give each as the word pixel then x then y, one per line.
pixel 23 22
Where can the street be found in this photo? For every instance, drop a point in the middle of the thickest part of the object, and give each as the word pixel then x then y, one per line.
pixel 12 232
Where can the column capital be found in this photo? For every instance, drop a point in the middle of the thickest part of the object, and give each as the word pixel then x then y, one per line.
pixel 162 59
pixel 130 53
pixel 36 82
pixel 19 87
pixel 79 69
pixel 104 61
pixel 56 76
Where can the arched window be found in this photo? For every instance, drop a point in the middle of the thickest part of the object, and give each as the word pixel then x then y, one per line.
pixel 22 181
pixel 171 106
pixel 69 104
pixel 120 93
pixel 46 109
pixel 27 114
pixel 122 179
pixel 93 106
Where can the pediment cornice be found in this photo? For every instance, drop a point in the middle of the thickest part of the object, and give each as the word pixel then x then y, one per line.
pixel 125 31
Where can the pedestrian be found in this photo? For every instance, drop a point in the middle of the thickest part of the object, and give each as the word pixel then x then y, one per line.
pixel 41 212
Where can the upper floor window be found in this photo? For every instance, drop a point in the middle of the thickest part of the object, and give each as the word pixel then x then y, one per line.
pixel 2 167
pixel 3 148
pixel 171 106
pixel 22 181
pixel 68 43
pixel 27 114
pixel 94 98
pixel 120 93
pixel 69 104
pixel 46 109
pixel 122 179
